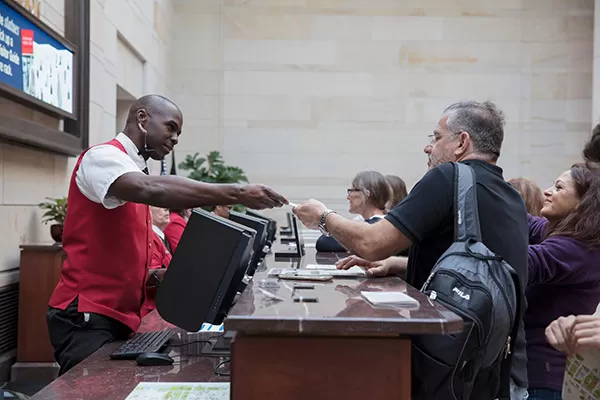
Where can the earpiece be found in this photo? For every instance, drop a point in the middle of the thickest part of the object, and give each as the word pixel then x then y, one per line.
pixel 144 131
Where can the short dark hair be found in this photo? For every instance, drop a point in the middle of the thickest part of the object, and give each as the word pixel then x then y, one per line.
pixel 484 123
pixel 399 191
pixel 583 223
pixel 591 151
pixel 378 188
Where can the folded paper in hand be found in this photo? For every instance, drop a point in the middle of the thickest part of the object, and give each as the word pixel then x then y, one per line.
pixel 399 298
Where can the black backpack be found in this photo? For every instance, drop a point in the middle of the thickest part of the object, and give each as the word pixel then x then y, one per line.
pixel 484 291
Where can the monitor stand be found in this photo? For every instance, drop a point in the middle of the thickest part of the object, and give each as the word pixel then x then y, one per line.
pixel 221 347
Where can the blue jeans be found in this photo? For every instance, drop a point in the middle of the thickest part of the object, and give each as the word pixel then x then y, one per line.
pixel 544 394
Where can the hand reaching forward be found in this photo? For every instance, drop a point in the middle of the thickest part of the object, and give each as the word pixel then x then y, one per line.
pixel 259 197
pixel 389 266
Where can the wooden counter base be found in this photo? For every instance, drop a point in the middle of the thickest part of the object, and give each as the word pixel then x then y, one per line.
pixel 298 368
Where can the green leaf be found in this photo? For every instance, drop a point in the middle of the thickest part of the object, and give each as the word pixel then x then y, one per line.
pixel 55 210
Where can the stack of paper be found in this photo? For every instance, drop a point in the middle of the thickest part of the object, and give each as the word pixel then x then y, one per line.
pixel 399 298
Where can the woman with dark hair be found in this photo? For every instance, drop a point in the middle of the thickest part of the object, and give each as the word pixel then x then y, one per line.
pixel 591 151
pixel 531 193
pixel 399 191
pixel 564 273
pixel 367 197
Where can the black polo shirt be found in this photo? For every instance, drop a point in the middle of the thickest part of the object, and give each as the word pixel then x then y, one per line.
pixel 426 217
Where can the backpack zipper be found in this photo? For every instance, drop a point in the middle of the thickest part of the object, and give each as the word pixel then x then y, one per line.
pixel 507 352
pixel 446 302
pixel 510 313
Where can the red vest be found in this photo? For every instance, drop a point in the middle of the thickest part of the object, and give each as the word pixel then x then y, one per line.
pixel 107 256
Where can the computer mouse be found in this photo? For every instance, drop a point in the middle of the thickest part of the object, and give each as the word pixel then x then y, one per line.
pixel 152 359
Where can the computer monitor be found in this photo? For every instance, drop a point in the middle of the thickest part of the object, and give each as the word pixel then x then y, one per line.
pixel 286 230
pixel 260 240
pixel 271 227
pixel 299 250
pixel 206 270
pixel 298 235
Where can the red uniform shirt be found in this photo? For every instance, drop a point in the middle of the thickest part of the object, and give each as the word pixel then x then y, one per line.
pixel 174 230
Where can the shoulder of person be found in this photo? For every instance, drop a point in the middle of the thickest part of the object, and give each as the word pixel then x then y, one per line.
pixel 103 150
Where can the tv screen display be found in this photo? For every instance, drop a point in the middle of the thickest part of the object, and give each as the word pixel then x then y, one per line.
pixel 33 62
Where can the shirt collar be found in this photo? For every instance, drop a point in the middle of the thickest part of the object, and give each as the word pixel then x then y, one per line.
pixel 159 232
pixel 132 150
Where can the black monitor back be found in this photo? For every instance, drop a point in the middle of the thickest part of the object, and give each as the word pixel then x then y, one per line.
pixel 271 227
pixel 205 272
pixel 260 240
pixel 298 236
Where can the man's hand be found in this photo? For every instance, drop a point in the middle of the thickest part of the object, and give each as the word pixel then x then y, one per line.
pixel 259 197
pixel 586 332
pixel 309 213
pixel 389 266
pixel 558 334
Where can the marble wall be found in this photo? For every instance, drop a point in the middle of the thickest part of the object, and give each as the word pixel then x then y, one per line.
pixel 305 93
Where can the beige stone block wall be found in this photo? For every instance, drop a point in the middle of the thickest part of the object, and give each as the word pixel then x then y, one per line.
pixel 305 93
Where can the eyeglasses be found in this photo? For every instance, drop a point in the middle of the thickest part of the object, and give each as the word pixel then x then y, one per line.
pixel 353 190
pixel 432 138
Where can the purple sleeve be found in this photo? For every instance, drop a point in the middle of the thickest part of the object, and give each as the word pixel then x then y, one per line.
pixel 560 260
pixel 537 228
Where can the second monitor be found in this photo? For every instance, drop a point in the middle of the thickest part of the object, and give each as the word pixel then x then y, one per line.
pixel 260 240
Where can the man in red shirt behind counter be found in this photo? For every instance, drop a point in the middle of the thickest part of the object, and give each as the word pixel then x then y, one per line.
pixel 108 229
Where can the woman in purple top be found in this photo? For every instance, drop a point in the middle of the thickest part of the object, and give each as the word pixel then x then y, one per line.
pixel 564 271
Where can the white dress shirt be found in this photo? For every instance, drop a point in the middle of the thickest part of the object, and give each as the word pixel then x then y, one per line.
pixel 159 232
pixel 102 165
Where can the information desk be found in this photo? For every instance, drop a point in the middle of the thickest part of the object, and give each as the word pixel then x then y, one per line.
pixel 339 347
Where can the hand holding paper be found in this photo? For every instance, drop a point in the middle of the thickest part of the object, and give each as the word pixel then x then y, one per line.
pixel 309 213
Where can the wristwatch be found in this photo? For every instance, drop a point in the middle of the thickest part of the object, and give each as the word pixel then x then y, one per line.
pixel 323 220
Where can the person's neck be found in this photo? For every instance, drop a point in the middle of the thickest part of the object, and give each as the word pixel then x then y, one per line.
pixel 477 156
pixel 370 211
pixel 552 224
pixel 137 138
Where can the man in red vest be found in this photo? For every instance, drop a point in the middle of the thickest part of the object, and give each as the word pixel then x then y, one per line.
pixel 107 233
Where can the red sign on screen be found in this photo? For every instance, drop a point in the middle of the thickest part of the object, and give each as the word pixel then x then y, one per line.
pixel 26 41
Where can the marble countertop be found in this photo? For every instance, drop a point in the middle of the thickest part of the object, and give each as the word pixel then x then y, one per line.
pixel 267 306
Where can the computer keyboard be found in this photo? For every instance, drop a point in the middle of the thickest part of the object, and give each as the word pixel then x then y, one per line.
pixel 147 342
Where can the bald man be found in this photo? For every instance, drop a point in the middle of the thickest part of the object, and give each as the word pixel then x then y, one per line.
pixel 108 229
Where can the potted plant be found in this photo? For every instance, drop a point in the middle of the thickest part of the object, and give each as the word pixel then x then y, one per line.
pixel 212 169
pixel 55 212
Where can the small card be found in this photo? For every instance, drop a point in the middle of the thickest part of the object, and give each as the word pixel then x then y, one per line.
pixel 399 298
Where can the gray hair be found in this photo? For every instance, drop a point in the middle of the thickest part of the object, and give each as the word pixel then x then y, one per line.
pixel 379 191
pixel 484 123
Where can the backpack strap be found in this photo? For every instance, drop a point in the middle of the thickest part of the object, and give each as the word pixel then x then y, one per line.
pixel 466 214
pixel 505 368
